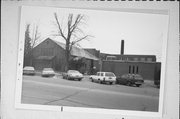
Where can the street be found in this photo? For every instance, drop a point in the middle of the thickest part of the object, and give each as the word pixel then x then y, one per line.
pixel 62 92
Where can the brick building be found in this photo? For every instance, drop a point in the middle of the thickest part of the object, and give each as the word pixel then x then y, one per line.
pixel 120 64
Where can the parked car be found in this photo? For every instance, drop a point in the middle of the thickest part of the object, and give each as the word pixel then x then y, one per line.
pixel 48 72
pixel 73 74
pixel 104 77
pixel 28 70
pixel 130 79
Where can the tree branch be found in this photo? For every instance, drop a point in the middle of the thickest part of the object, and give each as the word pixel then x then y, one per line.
pixel 81 39
pixel 35 35
pixel 59 27
pixel 77 22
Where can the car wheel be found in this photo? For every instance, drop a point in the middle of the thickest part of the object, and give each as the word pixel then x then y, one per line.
pixel 129 83
pixel 79 79
pixel 92 80
pixel 110 83
pixel 138 85
pixel 99 81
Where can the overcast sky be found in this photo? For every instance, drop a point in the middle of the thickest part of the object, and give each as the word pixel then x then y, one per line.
pixel 143 33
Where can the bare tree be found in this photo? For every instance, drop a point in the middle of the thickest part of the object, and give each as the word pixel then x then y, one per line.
pixel 30 43
pixel 35 35
pixel 27 45
pixel 70 33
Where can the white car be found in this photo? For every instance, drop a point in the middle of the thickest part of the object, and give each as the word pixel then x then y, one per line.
pixel 48 72
pixel 104 77
pixel 73 74
pixel 28 70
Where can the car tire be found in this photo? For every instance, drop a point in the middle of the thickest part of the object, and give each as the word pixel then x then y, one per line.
pixel 110 83
pixel 138 85
pixel 128 84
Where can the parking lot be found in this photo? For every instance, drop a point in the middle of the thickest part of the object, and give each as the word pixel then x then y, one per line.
pixel 58 91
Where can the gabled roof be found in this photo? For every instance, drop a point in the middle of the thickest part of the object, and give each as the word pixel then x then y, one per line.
pixel 78 52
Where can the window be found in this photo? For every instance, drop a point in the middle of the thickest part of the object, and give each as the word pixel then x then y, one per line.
pixel 111 58
pixel 149 59
pixel 137 70
pixel 133 69
pixel 126 58
pixel 135 59
pixel 129 69
pixel 142 59
pixel 98 74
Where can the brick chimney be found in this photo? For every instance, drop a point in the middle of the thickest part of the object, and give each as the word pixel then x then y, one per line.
pixel 122 47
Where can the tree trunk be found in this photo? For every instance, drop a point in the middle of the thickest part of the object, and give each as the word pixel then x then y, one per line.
pixel 67 55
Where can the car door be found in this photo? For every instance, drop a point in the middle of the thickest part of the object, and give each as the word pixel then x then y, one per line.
pixel 98 76
pixel 102 76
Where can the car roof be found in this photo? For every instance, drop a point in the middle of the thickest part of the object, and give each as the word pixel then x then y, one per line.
pixel 47 69
pixel 73 71
pixel 104 72
pixel 28 67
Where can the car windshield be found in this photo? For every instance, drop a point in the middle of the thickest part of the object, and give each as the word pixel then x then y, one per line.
pixel 73 71
pixel 109 74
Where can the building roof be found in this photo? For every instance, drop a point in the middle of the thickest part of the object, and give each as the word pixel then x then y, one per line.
pixel 78 52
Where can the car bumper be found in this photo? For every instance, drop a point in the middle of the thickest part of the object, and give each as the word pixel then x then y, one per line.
pixel 28 73
pixel 48 75
pixel 75 77
pixel 109 80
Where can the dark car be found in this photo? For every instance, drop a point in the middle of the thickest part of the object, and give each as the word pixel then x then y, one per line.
pixel 28 70
pixel 130 79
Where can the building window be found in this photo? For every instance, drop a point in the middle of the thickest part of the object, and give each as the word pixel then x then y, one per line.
pixel 133 69
pixel 137 70
pixel 149 59
pixel 129 69
pixel 111 58
pixel 142 59
pixel 135 59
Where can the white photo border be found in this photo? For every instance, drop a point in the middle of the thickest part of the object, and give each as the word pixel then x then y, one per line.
pixel 18 91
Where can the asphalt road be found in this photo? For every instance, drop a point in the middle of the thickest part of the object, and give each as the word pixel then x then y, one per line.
pixel 58 91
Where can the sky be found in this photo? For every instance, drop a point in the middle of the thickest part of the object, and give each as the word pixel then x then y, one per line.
pixel 143 33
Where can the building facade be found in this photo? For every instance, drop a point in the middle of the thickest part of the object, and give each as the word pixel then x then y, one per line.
pixel 145 65
pixel 51 54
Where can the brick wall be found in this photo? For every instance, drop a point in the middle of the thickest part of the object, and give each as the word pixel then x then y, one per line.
pixel 148 70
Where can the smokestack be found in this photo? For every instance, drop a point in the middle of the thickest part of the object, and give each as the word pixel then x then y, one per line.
pixel 122 47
